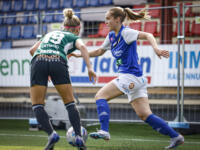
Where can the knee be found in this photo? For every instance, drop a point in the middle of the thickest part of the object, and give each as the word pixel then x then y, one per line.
pixel 143 115
pixel 98 96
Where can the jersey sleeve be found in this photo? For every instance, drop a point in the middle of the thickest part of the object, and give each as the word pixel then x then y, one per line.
pixel 130 35
pixel 106 44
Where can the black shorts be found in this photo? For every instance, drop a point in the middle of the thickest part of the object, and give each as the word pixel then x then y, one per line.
pixel 54 66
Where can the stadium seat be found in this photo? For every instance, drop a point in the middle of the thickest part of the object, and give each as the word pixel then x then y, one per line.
pixel 54 4
pixel 93 3
pixel 77 12
pixel 30 5
pixel 195 31
pixel 48 18
pixel 188 10
pixel 89 43
pixel 59 17
pixel 154 13
pixel 28 32
pixel 196 41
pixel 145 43
pixel 10 20
pixel 136 26
pixel 18 5
pixel 187 28
pixel 6 44
pixel 3 32
pixel 1 19
pixel 80 3
pixel 151 27
pixel 42 5
pixel 67 4
pixel 98 43
pixel 15 32
pixel 102 31
pixel 24 19
pixel 138 7
pixel 6 6
pixel 186 42
pixel 44 29
pixel 33 19
pixel 105 2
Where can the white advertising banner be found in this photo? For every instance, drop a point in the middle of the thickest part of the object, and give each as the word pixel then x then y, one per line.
pixel 15 67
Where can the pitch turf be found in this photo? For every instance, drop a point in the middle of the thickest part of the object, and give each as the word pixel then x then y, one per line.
pixel 15 135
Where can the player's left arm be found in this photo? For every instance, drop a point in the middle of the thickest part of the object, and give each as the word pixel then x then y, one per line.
pixel 34 47
pixel 148 36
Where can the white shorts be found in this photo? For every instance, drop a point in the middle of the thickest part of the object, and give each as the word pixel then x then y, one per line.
pixel 134 87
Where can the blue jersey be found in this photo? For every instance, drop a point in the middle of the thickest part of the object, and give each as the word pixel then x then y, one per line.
pixel 124 49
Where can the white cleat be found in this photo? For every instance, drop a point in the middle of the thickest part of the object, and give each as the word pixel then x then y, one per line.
pixel 176 141
pixel 52 140
pixel 100 134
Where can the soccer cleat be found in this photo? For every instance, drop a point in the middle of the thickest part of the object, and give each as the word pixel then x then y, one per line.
pixel 100 134
pixel 79 143
pixel 52 139
pixel 176 141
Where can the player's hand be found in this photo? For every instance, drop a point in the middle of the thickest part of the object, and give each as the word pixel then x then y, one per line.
pixel 92 76
pixel 49 78
pixel 162 53
pixel 73 54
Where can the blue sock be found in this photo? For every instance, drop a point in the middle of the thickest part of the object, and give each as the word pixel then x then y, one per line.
pixel 161 126
pixel 103 113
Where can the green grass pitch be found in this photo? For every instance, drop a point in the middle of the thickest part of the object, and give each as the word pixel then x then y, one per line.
pixel 15 135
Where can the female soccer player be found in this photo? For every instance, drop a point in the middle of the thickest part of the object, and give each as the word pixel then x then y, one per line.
pixel 121 41
pixel 49 59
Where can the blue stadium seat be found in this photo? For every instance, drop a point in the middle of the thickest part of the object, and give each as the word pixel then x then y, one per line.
pixel 93 2
pixel 105 2
pixel 28 32
pixel 6 44
pixel 77 12
pixel 1 19
pixel 33 19
pixel 10 20
pixel 6 6
pixel 44 29
pixel 80 3
pixel 42 5
pixel 67 4
pixel 60 17
pixel 18 5
pixel 48 18
pixel 25 19
pixel 3 32
pixel 15 32
pixel 54 4
pixel 30 5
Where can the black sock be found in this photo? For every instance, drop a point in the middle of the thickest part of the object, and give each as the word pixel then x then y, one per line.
pixel 74 117
pixel 42 118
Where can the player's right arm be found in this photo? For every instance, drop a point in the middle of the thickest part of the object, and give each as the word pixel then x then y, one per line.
pixel 34 47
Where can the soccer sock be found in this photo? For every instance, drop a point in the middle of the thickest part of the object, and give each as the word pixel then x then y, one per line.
pixel 161 126
pixel 74 117
pixel 42 118
pixel 103 113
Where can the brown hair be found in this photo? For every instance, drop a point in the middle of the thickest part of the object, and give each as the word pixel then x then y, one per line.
pixel 124 13
pixel 70 20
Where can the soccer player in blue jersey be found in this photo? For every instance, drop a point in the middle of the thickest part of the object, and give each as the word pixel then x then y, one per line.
pixel 49 59
pixel 122 41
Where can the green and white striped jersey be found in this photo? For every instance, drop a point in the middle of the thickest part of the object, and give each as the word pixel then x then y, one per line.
pixel 59 43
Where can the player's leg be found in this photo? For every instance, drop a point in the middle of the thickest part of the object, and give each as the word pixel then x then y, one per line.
pixel 39 77
pixel 66 92
pixel 108 92
pixel 142 108
pixel 37 96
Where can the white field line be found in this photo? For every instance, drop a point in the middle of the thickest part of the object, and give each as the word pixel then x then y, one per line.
pixel 118 139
